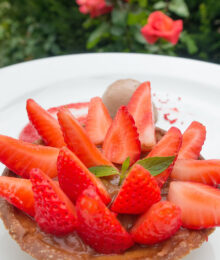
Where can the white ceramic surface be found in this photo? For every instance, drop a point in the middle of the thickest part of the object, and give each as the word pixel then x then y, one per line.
pixel 192 87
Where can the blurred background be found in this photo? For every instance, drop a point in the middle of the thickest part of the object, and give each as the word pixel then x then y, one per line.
pixel 31 29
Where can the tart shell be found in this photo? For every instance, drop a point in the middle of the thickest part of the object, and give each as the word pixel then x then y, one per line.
pixel 43 246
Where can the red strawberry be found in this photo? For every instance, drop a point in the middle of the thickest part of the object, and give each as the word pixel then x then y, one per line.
pixel 140 107
pixel 18 192
pixel 138 192
pixel 74 177
pixel 55 213
pixel 205 171
pixel 169 145
pixel 99 227
pixel 122 139
pixel 160 222
pixel 78 141
pixel 193 140
pixel 30 134
pixel 46 125
pixel 98 121
pixel 200 204
pixel 20 157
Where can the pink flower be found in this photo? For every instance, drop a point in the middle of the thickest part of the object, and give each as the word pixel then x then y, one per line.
pixel 93 7
pixel 162 26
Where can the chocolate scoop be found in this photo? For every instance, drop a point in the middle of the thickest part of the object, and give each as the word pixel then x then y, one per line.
pixel 119 93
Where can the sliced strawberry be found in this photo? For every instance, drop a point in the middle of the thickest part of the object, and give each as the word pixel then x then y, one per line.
pixel 18 192
pixel 193 140
pixel 74 177
pixel 46 125
pixel 169 145
pixel 78 141
pixel 122 139
pixel 204 171
pixel 54 212
pixel 200 204
pixel 72 107
pixel 29 133
pixel 99 227
pixel 98 121
pixel 20 157
pixel 140 107
pixel 138 192
pixel 160 222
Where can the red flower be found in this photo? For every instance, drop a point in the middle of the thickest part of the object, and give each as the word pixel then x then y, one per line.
pixel 93 7
pixel 162 26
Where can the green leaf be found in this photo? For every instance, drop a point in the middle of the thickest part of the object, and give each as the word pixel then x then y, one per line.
pixel 159 5
pixel 97 35
pixel 139 37
pixel 179 7
pixel 88 23
pixel 119 17
pixel 103 171
pixel 124 168
pixel 156 165
pixel 189 42
pixel 117 31
pixel 137 18
pixel 143 3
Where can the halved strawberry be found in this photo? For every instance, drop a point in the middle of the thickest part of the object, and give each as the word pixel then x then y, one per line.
pixel 74 177
pixel 140 107
pixel 138 192
pixel 169 145
pixel 200 204
pixel 193 140
pixel 160 222
pixel 204 171
pixel 122 139
pixel 98 121
pixel 99 227
pixel 78 141
pixel 29 133
pixel 46 125
pixel 54 212
pixel 20 157
pixel 18 192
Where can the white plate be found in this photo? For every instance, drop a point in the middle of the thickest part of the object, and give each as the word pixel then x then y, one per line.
pixel 74 78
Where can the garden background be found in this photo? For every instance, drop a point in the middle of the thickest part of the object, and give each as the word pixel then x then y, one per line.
pixel 31 29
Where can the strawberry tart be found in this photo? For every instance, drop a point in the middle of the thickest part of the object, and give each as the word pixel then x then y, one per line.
pixel 107 185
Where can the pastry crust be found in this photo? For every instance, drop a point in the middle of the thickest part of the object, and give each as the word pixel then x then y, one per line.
pixel 43 246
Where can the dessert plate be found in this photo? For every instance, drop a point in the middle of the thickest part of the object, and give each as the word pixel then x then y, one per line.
pixel 184 90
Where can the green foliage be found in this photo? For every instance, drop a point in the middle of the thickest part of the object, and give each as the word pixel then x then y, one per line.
pixel 32 29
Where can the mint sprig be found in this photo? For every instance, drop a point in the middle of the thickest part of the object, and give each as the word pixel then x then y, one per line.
pixel 103 171
pixel 124 169
pixel 156 165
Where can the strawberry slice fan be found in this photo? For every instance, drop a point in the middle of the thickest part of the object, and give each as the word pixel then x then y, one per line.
pixel 85 149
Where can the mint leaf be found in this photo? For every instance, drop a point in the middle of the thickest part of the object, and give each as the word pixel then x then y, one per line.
pixel 124 168
pixel 156 165
pixel 103 171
